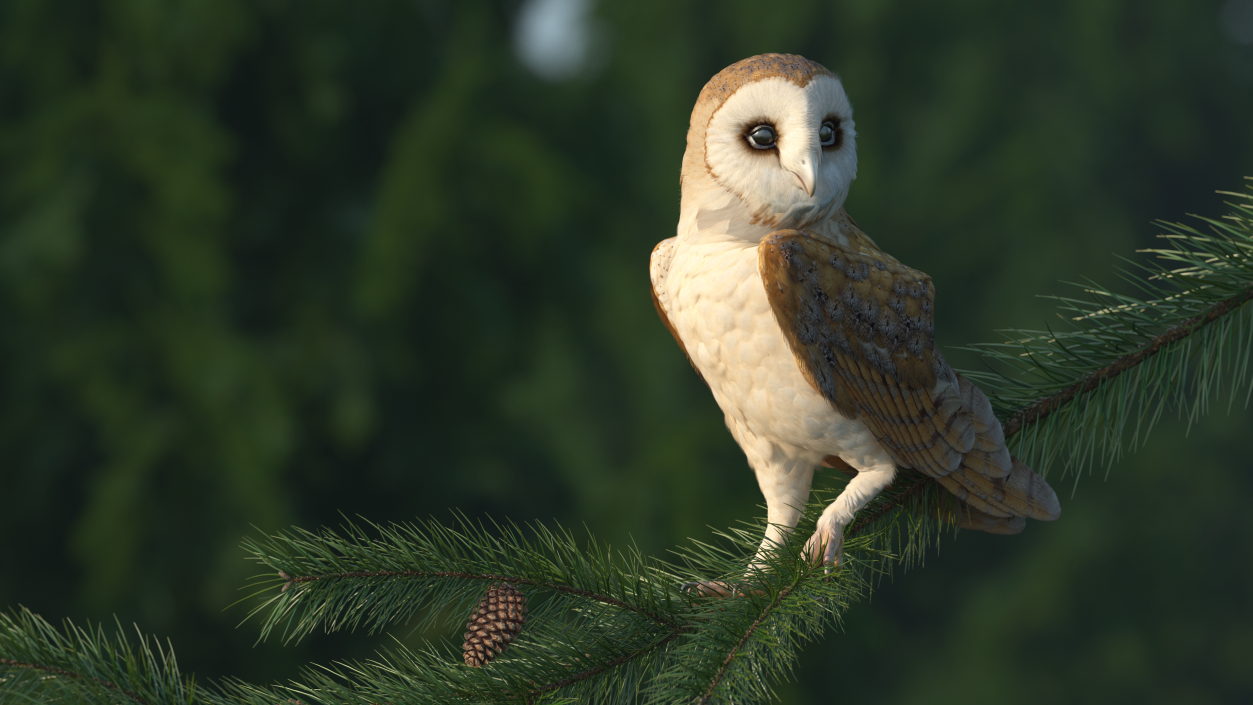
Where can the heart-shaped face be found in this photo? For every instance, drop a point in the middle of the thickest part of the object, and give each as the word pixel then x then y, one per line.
pixel 783 146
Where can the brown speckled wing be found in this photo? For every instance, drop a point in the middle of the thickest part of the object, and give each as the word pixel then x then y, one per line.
pixel 861 324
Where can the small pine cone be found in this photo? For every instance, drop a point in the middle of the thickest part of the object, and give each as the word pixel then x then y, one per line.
pixel 495 623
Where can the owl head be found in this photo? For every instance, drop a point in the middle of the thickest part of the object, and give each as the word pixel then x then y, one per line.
pixel 776 132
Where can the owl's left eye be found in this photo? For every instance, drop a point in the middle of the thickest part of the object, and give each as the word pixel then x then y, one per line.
pixel 828 133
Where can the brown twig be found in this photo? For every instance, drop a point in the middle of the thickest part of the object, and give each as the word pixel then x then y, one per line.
pixel 726 663
pixel 71 674
pixel 910 490
pixel 1049 404
pixel 484 576
pixel 612 663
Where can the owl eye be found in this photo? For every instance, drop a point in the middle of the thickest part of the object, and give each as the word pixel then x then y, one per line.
pixel 762 137
pixel 828 133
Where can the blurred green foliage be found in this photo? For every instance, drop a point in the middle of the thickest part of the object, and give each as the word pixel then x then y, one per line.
pixel 264 262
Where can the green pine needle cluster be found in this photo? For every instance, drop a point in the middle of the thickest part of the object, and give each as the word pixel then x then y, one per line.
pixel 41 664
pixel 1082 395
pixel 609 625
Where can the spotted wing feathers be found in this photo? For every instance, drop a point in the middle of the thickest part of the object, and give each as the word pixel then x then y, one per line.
pixel 861 326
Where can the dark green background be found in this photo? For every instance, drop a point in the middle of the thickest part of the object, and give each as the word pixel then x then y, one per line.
pixel 262 262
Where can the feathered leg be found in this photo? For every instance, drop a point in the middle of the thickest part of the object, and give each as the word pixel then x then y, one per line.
pixel 827 543
pixel 785 479
pixel 785 485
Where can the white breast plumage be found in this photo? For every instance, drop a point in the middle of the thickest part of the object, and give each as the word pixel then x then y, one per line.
pixel 713 295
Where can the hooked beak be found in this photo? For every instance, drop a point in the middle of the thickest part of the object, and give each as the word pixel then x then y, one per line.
pixel 804 173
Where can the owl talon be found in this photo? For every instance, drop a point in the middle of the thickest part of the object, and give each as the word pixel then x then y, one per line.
pixel 826 546
pixel 708 588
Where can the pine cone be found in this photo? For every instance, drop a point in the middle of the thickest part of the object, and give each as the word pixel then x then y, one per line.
pixel 495 623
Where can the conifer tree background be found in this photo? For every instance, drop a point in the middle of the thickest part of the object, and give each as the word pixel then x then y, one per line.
pixel 265 262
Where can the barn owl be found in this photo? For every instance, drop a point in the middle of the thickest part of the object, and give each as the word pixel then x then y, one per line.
pixel 817 345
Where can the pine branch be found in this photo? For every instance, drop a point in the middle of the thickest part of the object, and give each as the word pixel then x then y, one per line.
pixel 744 644
pixel 329 574
pixel 1042 408
pixel 608 626
pixel 614 663
pixel 1102 381
pixel 85 665
pixel 726 663
pixel 68 674
pixel 639 603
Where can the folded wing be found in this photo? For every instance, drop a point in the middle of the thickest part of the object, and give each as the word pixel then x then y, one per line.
pixel 861 326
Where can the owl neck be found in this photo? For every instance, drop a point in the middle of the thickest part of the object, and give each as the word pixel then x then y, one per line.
pixel 716 214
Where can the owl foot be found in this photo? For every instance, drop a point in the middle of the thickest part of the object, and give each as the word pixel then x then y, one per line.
pixel 711 588
pixel 826 546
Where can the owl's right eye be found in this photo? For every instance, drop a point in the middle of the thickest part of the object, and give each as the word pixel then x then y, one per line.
pixel 762 137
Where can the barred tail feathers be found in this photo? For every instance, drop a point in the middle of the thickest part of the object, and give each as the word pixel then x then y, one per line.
pixel 1022 493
